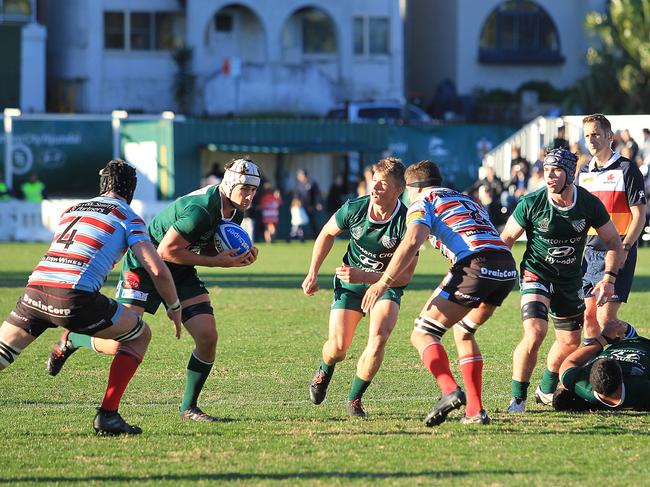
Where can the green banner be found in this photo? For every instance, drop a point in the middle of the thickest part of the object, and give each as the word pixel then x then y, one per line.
pixel 457 149
pixel 65 154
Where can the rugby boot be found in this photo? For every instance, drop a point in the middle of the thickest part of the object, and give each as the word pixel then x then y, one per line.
pixel 444 406
pixel 355 409
pixel 481 418
pixel 517 405
pixel 112 424
pixel 196 414
pixel 59 354
pixel 318 386
pixel 543 397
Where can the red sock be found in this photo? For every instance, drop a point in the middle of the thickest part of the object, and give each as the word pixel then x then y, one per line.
pixel 471 366
pixel 435 359
pixel 124 365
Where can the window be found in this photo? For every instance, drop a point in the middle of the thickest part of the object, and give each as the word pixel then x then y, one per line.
pixel 113 30
pixel 519 32
pixel 223 22
pixel 318 35
pixel 144 31
pixel 18 10
pixel 371 36
pixel 170 31
pixel 141 31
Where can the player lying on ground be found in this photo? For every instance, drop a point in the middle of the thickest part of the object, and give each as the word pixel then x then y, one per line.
pixel 611 372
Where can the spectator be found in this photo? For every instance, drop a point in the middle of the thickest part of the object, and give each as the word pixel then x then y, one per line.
pixel 269 207
pixel 299 220
pixel 33 190
pixel 309 194
pixel 518 159
pixel 559 142
pixel 539 163
pixel 628 142
pixel 646 146
pixel 5 193
pixel 336 195
pixel 215 175
pixel 536 180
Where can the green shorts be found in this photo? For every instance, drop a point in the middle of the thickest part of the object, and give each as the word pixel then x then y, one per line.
pixel 136 287
pixel 565 298
pixel 349 296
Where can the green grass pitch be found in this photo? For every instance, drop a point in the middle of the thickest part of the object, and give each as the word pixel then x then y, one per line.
pixel 270 338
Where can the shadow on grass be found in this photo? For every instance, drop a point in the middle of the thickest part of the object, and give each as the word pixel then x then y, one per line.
pixel 240 280
pixel 241 476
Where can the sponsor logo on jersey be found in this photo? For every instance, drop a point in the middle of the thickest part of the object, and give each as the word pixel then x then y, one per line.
pixel 356 232
pixel 499 274
pixel 466 297
pixel 642 195
pixel 373 264
pixel 388 242
pixel 131 280
pixel 560 252
pixel 627 355
pixel 543 225
pixel 560 241
pixel 48 308
pixel 528 285
pixel 415 215
pixel 579 225
pixel 133 294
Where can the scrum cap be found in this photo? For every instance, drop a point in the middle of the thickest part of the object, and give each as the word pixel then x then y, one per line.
pixel 565 160
pixel 118 177
pixel 241 171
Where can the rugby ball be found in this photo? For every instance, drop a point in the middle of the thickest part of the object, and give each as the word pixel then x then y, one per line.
pixel 230 236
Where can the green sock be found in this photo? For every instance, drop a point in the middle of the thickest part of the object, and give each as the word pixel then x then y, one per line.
pixel 549 381
pixel 327 369
pixel 197 373
pixel 80 341
pixel 359 386
pixel 520 389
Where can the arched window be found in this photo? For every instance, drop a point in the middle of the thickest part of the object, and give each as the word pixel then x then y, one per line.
pixel 519 32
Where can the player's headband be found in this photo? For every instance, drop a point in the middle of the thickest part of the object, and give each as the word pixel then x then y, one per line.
pixel 424 184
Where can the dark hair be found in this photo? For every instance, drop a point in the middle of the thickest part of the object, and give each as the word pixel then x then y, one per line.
pixel 391 167
pixel 118 177
pixel 605 376
pixel 423 174
pixel 599 119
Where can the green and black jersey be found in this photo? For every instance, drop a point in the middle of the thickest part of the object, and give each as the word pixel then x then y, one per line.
pixel 194 216
pixel 633 355
pixel 557 236
pixel 372 242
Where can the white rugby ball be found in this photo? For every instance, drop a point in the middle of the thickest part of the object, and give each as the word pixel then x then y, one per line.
pixel 229 236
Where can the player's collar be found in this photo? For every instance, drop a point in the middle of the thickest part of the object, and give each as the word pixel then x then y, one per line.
pixel 614 157
pixel 564 208
pixel 600 398
pixel 372 220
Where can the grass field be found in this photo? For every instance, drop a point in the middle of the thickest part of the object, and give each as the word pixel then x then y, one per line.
pixel 270 341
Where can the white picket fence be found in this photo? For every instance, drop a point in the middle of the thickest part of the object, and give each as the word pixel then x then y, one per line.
pixel 36 222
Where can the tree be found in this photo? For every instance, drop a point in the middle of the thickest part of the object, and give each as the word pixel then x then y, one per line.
pixel 619 77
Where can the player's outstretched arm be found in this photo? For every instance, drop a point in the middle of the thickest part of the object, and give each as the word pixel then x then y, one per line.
pixel 162 279
pixel 322 247
pixel 511 232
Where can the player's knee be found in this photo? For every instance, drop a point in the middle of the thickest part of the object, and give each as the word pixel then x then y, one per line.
pixel 377 343
pixel 206 337
pixel 8 354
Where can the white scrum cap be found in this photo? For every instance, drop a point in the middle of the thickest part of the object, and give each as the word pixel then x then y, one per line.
pixel 242 171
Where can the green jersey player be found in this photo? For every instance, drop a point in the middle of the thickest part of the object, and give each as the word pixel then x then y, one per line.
pixel 377 224
pixel 604 376
pixel 183 233
pixel 556 220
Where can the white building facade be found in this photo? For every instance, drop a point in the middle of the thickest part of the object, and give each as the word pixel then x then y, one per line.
pixel 250 56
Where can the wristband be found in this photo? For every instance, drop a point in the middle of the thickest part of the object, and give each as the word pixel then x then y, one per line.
pixel 602 341
pixel 611 273
pixel 387 279
pixel 175 306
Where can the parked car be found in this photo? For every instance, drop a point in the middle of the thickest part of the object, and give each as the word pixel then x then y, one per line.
pixel 385 110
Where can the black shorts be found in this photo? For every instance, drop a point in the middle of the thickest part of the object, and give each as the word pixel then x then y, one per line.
pixel 593 270
pixel 43 307
pixel 487 277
